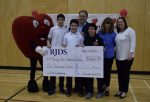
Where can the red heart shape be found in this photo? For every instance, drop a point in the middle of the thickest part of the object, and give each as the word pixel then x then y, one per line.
pixel 30 32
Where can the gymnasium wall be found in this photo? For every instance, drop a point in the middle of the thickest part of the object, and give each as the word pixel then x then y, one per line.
pixel 138 18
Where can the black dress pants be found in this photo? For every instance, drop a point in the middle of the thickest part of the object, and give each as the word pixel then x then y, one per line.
pixel 107 70
pixel 53 83
pixel 123 69
pixel 69 84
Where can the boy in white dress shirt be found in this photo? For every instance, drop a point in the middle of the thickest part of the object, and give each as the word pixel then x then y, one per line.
pixel 55 38
pixel 72 39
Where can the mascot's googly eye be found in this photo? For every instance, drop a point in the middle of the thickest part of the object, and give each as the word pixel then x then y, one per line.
pixel 46 22
pixel 35 23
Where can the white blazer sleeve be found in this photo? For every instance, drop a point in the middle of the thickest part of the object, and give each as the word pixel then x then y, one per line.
pixel 132 37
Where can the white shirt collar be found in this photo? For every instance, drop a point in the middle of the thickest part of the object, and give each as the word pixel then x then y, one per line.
pixel 60 27
pixel 74 33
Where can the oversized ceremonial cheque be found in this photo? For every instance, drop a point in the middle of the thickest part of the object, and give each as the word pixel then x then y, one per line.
pixel 74 62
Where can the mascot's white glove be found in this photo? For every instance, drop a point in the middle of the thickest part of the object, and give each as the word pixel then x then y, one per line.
pixel 40 50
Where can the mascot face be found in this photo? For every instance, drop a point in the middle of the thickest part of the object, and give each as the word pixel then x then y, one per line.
pixel 30 32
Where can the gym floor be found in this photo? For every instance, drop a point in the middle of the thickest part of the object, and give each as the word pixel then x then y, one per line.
pixel 13 88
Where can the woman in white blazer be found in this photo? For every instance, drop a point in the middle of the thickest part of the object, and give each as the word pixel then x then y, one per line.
pixel 125 48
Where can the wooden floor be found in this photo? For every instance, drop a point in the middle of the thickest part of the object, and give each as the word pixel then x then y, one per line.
pixel 13 89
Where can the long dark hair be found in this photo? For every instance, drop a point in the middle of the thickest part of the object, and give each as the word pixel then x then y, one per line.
pixel 107 20
pixel 125 22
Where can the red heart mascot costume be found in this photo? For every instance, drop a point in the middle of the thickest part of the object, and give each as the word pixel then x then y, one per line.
pixel 30 34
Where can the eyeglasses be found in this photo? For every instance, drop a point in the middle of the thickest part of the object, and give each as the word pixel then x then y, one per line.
pixel 82 16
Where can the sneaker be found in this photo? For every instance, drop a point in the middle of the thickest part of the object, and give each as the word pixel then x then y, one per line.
pixel 81 93
pixel 88 96
pixel 118 94
pixel 123 95
pixel 68 93
pixel 51 92
pixel 106 91
pixel 99 95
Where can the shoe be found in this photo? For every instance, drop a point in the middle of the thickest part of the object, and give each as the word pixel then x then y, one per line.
pixel 81 93
pixel 32 86
pixel 99 95
pixel 123 95
pixel 88 96
pixel 118 94
pixel 51 92
pixel 61 90
pixel 107 93
pixel 68 93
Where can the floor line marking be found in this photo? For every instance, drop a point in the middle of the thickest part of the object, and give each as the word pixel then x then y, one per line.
pixel 134 97
pixel 147 84
pixel 18 92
